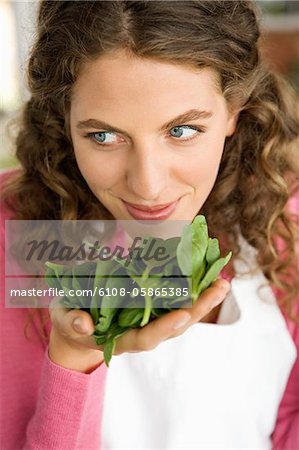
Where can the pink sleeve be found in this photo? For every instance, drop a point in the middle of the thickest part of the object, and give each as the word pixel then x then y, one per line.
pixel 43 406
pixel 68 409
pixel 286 432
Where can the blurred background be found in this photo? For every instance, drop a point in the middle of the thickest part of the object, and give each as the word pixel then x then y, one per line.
pixel 280 45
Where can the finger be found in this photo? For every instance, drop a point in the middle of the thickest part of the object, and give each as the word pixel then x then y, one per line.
pixel 173 323
pixel 147 338
pixel 209 299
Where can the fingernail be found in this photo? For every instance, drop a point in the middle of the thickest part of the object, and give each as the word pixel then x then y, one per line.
pixel 225 286
pixel 183 320
pixel 218 300
pixel 78 326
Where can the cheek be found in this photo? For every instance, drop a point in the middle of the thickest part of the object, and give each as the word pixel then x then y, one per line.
pixel 94 170
pixel 202 169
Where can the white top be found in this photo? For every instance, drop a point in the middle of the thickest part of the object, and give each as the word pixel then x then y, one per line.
pixel 216 386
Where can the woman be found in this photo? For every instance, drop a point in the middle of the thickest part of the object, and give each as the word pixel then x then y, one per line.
pixel 153 106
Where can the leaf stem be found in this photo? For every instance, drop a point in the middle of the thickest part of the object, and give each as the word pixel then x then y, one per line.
pixel 146 272
pixel 147 310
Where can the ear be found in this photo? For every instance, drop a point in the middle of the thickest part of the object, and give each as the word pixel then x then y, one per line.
pixel 232 123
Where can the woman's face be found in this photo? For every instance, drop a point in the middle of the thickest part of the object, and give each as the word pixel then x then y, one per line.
pixel 148 133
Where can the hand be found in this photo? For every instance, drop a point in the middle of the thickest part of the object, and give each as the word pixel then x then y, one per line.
pixel 73 346
pixel 173 323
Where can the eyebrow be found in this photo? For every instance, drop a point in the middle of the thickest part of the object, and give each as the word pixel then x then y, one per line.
pixel 192 114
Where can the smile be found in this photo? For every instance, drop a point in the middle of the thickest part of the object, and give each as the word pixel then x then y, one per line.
pixel 157 212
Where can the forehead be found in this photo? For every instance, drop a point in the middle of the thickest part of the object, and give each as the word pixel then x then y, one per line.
pixel 126 74
pixel 134 93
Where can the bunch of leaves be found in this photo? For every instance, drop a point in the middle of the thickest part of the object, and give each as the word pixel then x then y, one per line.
pixel 193 262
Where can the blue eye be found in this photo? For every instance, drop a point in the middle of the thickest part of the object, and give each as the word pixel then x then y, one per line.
pixel 104 137
pixel 184 131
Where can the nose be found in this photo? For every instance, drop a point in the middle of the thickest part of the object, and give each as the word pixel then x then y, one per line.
pixel 147 172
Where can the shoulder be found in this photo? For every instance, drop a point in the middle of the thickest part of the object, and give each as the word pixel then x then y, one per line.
pixel 6 212
pixel 5 178
pixel 6 175
pixel 293 203
pixel 293 208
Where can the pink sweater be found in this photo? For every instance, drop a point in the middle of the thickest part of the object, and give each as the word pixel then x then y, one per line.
pixel 45 406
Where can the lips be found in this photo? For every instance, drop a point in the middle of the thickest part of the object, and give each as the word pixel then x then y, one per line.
pixel 157 212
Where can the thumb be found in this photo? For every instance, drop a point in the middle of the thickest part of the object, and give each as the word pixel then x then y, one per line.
pixel 81 322
pixel 70 322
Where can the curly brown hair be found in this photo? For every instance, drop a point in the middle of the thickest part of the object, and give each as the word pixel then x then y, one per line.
pixel 259 170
